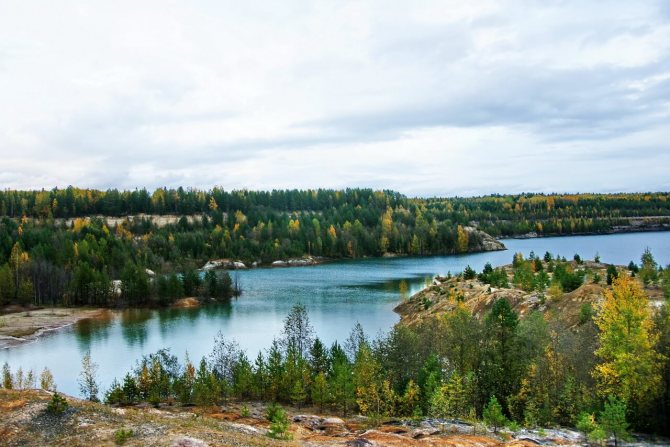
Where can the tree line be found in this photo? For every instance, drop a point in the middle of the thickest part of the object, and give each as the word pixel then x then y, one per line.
pixel 54 247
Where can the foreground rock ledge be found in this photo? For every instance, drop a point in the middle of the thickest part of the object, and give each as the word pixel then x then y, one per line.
pixel 26 423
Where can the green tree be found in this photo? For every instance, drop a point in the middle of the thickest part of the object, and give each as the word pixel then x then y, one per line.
pixel 613 419
pixel 320 390
pixel 500 367
pixel 341 383
pixel 612 274
pixel 7 380
pixel 493 415
pixel 649 270
pixel 298 394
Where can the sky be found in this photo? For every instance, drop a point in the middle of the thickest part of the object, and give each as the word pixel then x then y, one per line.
pixel 428 98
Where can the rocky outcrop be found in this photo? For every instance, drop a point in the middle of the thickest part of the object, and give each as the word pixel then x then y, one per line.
pixel 223 264
pixel 444 293
pixel 298 262
pixel 481 241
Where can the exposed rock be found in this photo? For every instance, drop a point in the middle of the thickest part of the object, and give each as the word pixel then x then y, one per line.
pixel 333 426
pixel 309 421
pixel 483 241
pixel 185 441
pixel 298 262
pixel 360 442
pixel 420 433
pixel 224 264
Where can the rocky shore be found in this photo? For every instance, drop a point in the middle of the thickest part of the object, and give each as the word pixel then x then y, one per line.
pixel 229 264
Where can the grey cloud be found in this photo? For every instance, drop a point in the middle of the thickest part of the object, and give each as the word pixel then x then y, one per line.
pixel 397 77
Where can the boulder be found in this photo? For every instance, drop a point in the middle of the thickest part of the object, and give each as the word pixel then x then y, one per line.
pixel 333 426
pixel 421 433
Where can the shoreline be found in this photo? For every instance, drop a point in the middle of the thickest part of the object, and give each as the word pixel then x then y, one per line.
pixel 28 326
pixel 627 230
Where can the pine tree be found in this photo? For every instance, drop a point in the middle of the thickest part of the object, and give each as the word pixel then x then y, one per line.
pixel 7 380
pixel 320 390
pixel 493 415
pixel 298 394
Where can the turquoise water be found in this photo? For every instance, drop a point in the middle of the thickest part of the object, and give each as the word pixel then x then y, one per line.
pixel 337 295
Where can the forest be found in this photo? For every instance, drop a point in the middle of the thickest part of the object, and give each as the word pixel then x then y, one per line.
pixel 57 247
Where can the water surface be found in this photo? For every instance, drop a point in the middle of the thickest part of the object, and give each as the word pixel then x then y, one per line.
pixel 337 295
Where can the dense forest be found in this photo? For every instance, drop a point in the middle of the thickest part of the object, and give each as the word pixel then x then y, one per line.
pixel 58 247
pixel 607 376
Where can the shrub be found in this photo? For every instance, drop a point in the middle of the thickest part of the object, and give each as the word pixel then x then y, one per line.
pixel 279 423
pixel 585 313
pixel 121 436
pixel 469 273
pixel 57 405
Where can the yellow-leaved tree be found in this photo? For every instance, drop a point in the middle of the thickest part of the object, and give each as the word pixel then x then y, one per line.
pixel 462 239
pixel 629 368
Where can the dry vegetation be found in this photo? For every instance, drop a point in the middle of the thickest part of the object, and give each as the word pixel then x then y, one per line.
pixel 26 422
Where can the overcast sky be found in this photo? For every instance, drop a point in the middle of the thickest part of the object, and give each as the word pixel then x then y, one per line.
pixel 424 97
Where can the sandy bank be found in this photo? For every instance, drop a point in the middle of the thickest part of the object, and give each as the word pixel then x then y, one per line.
pixel 24 327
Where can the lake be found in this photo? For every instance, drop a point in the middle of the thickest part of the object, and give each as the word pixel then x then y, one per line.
pixel 337 295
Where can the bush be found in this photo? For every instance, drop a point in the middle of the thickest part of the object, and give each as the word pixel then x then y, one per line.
pixel 585 313
pixel 115 395
pixel 121 436
pixel 57 405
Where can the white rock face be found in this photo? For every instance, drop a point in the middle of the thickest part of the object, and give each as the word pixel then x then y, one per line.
pixel 226 264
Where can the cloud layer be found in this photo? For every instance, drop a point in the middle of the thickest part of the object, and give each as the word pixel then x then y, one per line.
pixel 428 98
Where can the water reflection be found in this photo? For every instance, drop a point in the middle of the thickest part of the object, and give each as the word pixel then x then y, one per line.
pixel 93 330
pixel 134 326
